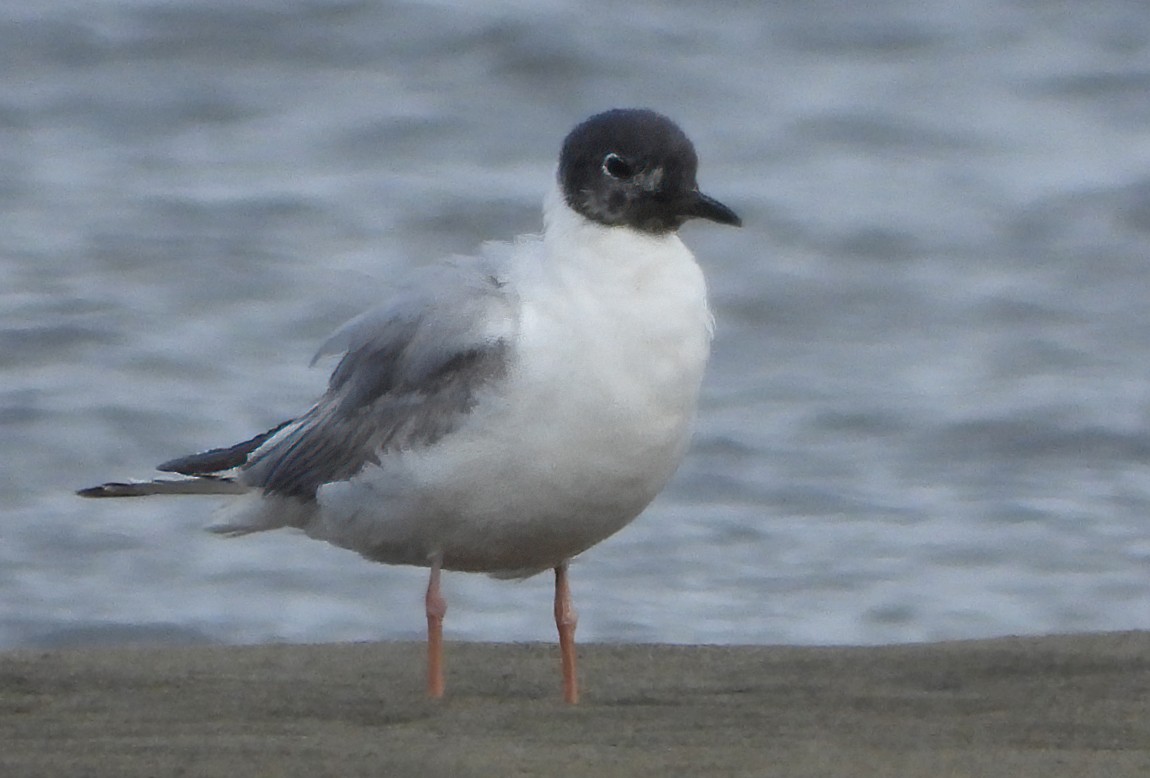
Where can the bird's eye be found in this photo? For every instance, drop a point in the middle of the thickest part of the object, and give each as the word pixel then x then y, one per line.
pixel 617 167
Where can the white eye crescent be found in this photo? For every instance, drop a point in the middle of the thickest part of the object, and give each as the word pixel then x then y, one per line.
pixel 617 167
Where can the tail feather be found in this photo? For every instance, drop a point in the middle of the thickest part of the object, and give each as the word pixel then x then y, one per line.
pixel 200 485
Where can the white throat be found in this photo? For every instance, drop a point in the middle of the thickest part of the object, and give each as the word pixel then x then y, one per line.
pixel 644 270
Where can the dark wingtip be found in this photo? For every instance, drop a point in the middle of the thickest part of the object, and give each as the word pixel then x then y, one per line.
pixel 177 465
pixel 219 459
pixel 107 490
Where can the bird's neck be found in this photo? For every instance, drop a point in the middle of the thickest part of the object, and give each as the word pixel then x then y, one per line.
pixel 646 285
pixel 618 253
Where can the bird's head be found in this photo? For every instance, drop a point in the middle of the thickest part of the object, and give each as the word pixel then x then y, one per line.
pixel 634 167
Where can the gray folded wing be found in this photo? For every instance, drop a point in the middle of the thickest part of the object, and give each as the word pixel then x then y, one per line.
pixel 410 373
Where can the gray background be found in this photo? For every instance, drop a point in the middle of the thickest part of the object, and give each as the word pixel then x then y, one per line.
pixel 927 412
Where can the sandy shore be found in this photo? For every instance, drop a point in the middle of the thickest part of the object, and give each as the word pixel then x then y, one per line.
pixel 1051 706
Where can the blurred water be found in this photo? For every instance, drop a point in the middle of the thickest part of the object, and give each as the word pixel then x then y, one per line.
pixel 928 413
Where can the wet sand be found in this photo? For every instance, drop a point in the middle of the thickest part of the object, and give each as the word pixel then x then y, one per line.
pixel 1049 706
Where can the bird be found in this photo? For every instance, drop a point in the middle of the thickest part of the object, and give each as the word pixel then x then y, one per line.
pixel 504 412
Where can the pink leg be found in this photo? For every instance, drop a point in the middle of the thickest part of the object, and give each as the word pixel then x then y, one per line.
pixel 565 620
pixel 436 609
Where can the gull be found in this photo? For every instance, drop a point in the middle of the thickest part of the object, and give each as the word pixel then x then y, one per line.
pixel 502 413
